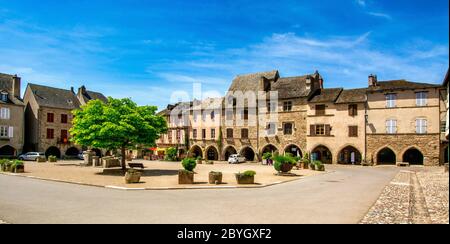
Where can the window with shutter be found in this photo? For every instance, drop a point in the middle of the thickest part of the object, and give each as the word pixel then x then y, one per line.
pixel 421 126
pixel 391 126
pixel 4 113
pixel 230 133
pixel 4 131
pixel 327 130
pixel 244 133
pixel 194 133
pixel 320 110
pixel 11 132
pixel 353 110
pixel 391 100
pixel 421 99
pixel 50 117
pixel 353 131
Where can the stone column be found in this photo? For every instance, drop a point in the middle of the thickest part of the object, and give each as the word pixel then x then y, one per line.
pixel 88 157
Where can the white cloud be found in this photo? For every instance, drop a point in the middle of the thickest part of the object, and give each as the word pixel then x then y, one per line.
pixel 361 2
pixel 380 15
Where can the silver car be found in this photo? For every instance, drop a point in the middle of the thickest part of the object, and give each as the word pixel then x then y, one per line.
pixel 31 156
pixel 236 159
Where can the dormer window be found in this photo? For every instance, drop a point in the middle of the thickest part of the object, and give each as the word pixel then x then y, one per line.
pixel 4 96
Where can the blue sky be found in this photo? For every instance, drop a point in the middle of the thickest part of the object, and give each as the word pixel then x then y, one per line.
pixel 147 49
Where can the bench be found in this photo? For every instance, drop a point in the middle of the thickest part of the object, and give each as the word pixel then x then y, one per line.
pixel 136 165
pixel 402 164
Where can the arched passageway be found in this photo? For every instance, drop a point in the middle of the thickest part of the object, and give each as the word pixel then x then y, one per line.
pixel 228 152
pixel 248 153
pixel 53 151
pixel 323 154
pixel 413 157
pixel 349 155
pixel 294 150
pixel 212 154
pixel 196 152
pixel 386 156
pixel 7 151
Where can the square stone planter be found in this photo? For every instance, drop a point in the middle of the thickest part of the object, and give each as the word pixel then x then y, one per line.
pixel 185 177
pixel 215 178
pixel 41 160
pixel 52 160
pixel 19 169
pixel 132 177
pixel 320 167
pixel 245 180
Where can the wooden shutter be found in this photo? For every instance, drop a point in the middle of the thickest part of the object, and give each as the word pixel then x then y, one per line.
pixel 312 129
pixel 11 132
pixel 327 130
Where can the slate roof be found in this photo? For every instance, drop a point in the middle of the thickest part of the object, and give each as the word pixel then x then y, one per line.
pixel 6 85
pixel 250 82
pixel 291 87
pixel 54 97
pixel 326 95
pixel 400 85
pixel 90 95
pixel 353 96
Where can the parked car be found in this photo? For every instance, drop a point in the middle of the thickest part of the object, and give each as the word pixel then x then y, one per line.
pixel 236 159
pixel 81 156
pixel 31 156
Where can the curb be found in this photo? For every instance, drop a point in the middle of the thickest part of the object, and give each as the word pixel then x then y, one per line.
pixel 158 188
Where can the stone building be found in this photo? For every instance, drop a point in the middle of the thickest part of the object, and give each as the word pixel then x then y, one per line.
pixel 11 116
pixel 179 129
pixel 48 118
pixel 335 119
pixel 403 122
pixel 445 120
pixel 384 123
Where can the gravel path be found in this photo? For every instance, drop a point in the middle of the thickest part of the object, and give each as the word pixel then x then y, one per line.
pixel 415 196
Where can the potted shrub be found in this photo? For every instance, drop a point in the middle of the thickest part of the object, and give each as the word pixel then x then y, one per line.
pixel 246 178
pixel 215 177
pixel 3 164
pixel 318 165
pixel 132 176
pixel 17 167
pixel 52 159
pixel 7 165
pixel 186 176
pixel 266 157
pixel 284 164
pixel 41 159
pixel 305 161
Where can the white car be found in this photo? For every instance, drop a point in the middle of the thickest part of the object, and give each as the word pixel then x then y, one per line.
pixel 31 156
pixel 236 159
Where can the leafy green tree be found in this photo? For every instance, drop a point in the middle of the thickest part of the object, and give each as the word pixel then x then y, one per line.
pixel 118 124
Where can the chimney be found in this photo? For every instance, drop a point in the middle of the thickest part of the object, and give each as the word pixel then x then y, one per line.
pixel 373 80
pixel 16 86
pixel 82 90
pixel 72 89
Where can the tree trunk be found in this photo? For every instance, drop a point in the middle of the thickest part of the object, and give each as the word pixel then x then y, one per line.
pixel 124 163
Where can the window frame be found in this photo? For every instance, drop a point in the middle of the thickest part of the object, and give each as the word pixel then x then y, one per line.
pixel 421 126
pixel 391 100
pixel 421 99
pixel 391 126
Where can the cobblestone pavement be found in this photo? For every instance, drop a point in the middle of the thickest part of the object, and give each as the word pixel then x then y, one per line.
pixel 435 185
pixel 418 195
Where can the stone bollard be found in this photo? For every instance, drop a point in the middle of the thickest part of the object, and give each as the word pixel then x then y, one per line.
pixel 95 161
pixel 88 157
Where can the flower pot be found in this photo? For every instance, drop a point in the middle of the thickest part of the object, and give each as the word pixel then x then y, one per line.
pixel 244 179
pixel 312 167
pixel 215 178
pixel 52 160
pixel 132 177
pixel 286 167
pixel 185 177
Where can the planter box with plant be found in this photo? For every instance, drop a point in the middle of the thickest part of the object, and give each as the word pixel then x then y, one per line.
pixel 17 166
pixel 318 165
pixel 284 164
pixel 186 176
pixel 52 159
pixel 41 160
pixel 215 177
pixel 132 176
pixel 266 157
pixel 5 165
pixel 246 178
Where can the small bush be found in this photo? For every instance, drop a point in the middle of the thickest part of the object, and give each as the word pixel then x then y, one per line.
pixel 317 162
pixel 15 164
pixel 267 155
pixel 249 173
pixel 189 164
pixel 171 154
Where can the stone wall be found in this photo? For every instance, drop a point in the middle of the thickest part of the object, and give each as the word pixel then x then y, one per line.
pixel 427 144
